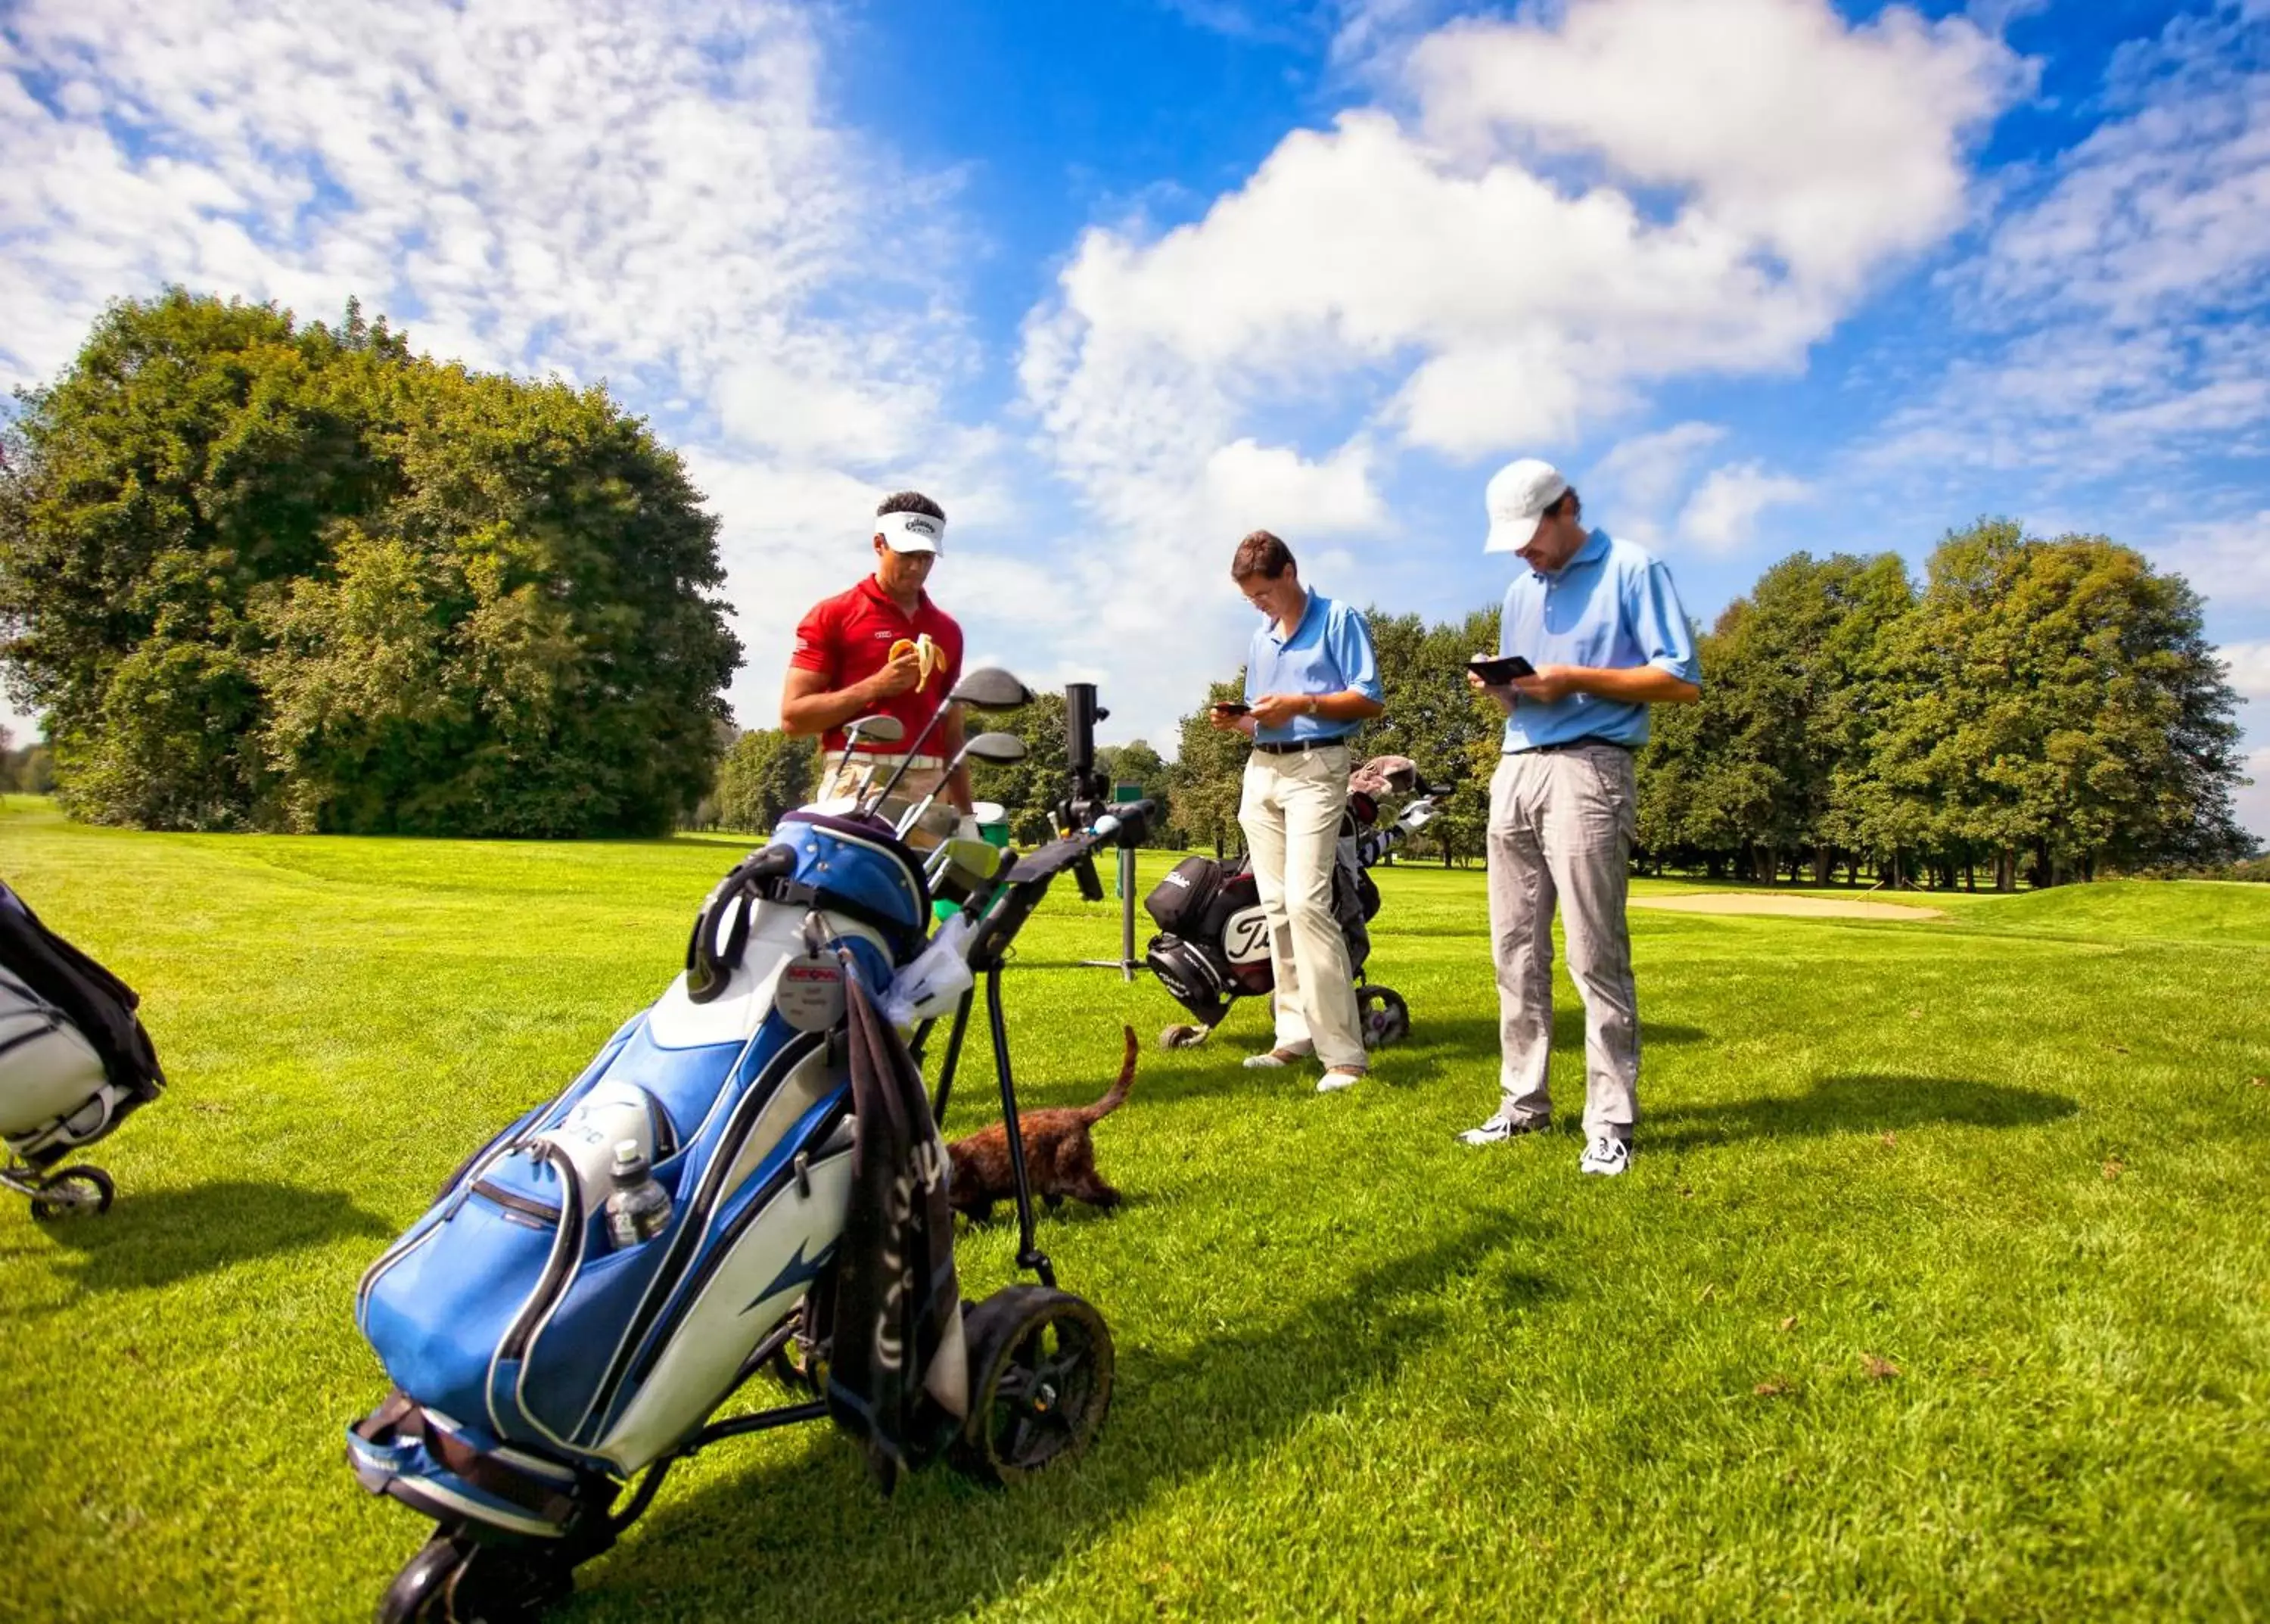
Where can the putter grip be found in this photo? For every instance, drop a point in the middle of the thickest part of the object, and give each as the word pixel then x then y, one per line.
pixel 1083 874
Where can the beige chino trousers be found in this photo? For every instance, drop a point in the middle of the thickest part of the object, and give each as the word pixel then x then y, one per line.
pixel 1291 815
pixel 841 774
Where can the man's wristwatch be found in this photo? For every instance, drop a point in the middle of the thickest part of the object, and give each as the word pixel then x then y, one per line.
pixel 1311 709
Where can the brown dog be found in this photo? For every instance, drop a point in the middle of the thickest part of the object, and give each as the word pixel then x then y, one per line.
pixel 1060 1156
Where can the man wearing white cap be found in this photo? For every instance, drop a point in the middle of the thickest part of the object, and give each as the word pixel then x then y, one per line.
pixel 1601 625
pixel 882 646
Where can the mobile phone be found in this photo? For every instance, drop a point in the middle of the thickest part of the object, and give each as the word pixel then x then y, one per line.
pixel 1234 708
pixel 1497 670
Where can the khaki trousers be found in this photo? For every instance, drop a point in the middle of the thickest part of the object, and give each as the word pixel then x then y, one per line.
pixel 1561 827
pixel 839 775
pixel 1291 816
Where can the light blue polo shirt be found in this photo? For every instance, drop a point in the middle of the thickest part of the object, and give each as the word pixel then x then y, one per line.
pixel 1613 605
pixel 1329 652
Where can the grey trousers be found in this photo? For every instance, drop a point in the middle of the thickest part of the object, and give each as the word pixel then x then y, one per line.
pixel 1560 827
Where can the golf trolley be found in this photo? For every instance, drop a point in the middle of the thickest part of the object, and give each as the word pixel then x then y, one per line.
pixel 1213 945
pixel 74 1063
pixel 547 1351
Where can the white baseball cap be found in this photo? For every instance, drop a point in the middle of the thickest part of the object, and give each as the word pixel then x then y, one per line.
pixel 911 532
pixel 1519 494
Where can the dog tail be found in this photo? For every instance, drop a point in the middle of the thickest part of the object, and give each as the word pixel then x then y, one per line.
pixel 1118 1097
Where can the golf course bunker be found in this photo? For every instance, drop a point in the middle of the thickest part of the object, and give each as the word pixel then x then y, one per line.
pixel 1787 906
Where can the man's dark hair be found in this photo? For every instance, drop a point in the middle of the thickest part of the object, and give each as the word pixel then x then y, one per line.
pixel 910 501
pixel 1568 502
pixel 1260 553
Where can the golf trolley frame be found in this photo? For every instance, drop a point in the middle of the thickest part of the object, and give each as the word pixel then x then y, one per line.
pixel 1005 913
pixel 63 1193
pixel 466 1572
pixel 1208 976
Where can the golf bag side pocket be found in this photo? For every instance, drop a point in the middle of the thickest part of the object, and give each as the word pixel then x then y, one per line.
pixel 500 1309
pixel 439 1310
pixel 1179 902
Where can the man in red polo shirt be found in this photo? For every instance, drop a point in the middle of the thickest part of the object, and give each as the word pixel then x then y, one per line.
pixel 842 667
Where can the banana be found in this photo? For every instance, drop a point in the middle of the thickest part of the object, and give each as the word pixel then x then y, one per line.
pixel 929 656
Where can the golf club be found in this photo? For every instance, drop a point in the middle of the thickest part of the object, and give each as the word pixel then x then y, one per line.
pixel 1001 749
pixel 882 729
pixel 989 687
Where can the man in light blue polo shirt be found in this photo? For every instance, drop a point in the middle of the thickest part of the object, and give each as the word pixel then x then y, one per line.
pixel 1601 623
pixel 1312 680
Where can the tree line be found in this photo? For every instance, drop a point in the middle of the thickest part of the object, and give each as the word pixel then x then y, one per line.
pixel 26 769
pixel 2034 709
pixel 261 575
pixel 2038 710
pixel 265 575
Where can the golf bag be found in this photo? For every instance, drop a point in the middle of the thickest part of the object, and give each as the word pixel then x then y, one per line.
pixel 74 1063
pixel 556 1323
pixel 1213 946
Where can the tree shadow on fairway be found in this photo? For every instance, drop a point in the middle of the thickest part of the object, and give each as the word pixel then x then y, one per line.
pixel 1860 1103
pixel 812 1537
pixel 162 1236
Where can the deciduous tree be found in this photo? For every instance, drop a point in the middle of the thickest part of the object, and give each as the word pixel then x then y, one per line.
pixel 261 575
pixel 765 774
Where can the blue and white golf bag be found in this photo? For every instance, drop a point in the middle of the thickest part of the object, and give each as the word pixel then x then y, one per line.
pixel 536 1363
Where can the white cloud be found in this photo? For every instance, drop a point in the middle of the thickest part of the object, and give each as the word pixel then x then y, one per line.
pixel 1996 16
pixel 1723 513
pixel 2226 560
pixel 1506 249
pixel 1646 473
pixel 1252 487
pixel 2253 803
pixel 2250 669
pixel 1827 145
pixel 2167 204
pixel 649 194
pixel 2115 316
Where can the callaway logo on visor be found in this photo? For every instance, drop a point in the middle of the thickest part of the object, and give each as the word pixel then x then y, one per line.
pixel 921 525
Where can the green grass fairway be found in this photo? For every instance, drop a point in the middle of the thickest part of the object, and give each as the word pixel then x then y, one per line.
pixel 2015 1161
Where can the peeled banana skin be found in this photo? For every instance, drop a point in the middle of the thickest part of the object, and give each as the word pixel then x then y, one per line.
pixel 931 657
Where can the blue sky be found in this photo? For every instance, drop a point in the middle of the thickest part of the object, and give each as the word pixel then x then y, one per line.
pixel 1118 281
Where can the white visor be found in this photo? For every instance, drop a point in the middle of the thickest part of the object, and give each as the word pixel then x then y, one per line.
pixel 911 532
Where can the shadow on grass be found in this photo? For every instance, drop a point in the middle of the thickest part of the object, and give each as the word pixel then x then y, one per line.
pixel 1862 1103
pixel 1465 1046
pixel 1468 1045
pixel 163 1236
pixel 812 1537
pixel 1479 1033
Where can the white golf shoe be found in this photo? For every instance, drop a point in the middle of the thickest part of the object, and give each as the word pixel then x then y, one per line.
pixel 1607 1156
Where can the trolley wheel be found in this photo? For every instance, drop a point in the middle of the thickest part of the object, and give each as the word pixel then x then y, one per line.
pixel 1383 1015
pixel 455 1579
pixel 72 1192
pixel 1041 1366
pixel 1183 1037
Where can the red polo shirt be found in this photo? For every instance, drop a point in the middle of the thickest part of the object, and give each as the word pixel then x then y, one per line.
pixel 847 639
